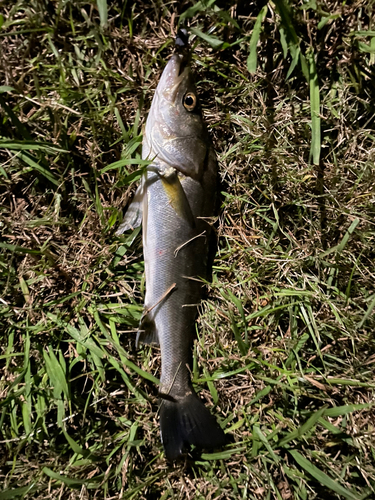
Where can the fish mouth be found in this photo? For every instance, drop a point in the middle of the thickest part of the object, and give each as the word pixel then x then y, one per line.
pixel 184 63
pixel 178 64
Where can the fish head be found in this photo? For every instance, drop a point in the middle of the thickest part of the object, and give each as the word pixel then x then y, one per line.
pixel 175 133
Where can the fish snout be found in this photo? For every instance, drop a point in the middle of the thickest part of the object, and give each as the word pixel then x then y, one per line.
pixel 174 73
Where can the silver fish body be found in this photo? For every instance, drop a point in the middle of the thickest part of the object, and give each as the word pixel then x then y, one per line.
pixel 177 194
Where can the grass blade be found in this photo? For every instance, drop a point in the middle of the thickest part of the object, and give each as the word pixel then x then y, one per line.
pixel 34 164
pixel 252 59
pixel 12 493
pixel 315 110
pixel 89 483
pixel 200 6
pixel 367 313
pixel 298 433
pixel 56 374
pixel 211 40
pixel 321 476
pixel 30 146
pixel 262 438
pixel 103 12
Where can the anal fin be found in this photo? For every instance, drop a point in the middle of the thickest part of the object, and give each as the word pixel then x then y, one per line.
pixel 147 333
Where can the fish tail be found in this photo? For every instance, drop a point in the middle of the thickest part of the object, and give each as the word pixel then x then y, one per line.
pixel 185 422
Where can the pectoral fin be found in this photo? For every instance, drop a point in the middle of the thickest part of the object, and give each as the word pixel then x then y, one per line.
pixel 177 197
pixel 134 213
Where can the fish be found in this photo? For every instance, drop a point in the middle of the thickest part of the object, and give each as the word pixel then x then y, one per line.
pixel 176 198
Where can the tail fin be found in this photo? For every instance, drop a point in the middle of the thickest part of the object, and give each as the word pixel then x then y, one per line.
pixel 188 422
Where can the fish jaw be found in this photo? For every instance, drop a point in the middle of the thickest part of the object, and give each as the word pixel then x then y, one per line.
pixel 175 72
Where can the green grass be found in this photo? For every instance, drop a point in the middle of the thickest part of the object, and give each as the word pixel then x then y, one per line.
pixel 285 349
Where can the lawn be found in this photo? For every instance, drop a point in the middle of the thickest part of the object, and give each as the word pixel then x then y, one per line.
pixel 285 349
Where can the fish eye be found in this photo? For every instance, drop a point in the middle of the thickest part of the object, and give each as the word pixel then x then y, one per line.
pixel 190 101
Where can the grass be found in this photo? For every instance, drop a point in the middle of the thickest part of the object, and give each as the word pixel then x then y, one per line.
pixel 285 347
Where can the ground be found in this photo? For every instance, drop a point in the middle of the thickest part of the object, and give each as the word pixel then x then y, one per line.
pixel 285 348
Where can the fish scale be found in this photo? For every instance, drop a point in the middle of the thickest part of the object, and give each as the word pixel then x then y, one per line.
pixel 174 315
